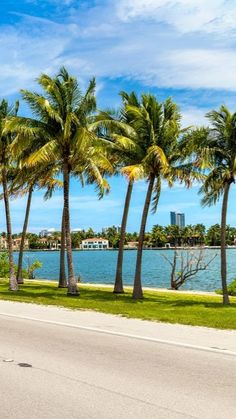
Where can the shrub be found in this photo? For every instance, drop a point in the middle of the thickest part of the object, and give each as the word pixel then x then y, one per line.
pixel 27 273
pixel 4 265
pixel 231 288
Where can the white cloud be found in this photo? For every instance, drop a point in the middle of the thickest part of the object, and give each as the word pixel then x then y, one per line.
pixel 192 116
pixel 85 202
pixel 98 43
pixel 33 46
pixel 197 68
pixel 184 15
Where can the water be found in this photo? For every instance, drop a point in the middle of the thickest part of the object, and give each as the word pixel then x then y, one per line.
pixel 99 267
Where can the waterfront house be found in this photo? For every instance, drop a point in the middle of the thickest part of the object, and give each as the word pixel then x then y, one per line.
pixel 15 243
pixel 131 245
pixel 49 243
pixel 94 243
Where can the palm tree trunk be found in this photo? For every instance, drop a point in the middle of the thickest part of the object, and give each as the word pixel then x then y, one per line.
pixel 223 245
pixel 62 276
pixel 13 286
pixel 118 287
pixel 72 284
pixel 137 290
pixel 19 277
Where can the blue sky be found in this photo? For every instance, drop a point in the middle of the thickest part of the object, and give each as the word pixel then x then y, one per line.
pixel 179 48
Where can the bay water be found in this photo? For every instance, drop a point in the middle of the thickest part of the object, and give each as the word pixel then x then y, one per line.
pixel 98 266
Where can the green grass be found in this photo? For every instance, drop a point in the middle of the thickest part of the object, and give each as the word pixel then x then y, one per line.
pixel 197 310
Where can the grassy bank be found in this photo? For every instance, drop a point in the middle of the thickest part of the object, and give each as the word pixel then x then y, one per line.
pixel 197 310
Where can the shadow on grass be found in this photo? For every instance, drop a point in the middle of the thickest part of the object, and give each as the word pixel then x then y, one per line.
pixel 47 294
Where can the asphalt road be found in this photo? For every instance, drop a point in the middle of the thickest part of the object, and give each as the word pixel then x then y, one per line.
pixel 83 374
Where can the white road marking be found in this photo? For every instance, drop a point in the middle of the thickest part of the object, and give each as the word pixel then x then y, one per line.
pixel 224 351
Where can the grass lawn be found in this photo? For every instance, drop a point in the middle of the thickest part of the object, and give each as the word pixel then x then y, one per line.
pixel 197 310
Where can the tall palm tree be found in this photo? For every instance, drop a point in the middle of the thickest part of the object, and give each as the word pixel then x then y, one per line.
pixel 25 181
pixel 61 131
pixel 126 151
pixel 158 127
pixel 19 276
pixel 6 164
pixel 215 148
pixel 62 283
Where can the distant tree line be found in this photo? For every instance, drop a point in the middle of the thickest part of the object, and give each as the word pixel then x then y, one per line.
pixel 159 236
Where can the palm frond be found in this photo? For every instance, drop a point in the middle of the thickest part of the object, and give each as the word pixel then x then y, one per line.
pixel 134 172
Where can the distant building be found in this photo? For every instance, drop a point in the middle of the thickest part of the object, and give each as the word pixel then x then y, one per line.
pixel 173 218
pixel 76 230
pixel 15 243
pixel 131 245
pixel 47 232
pixel 177 219
pixel 49 243
pixel 94 243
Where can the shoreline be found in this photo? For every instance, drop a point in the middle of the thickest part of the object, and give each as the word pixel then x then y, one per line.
pixel 130 287
pixel 128 249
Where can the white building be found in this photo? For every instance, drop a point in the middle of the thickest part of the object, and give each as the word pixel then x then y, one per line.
pixel 94 243
pixel 76 230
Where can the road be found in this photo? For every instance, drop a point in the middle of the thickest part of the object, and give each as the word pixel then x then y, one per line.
pixel 82 374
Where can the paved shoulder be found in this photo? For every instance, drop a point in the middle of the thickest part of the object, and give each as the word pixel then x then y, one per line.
pixel 190 336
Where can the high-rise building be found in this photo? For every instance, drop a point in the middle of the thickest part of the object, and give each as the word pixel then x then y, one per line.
pixel 173 218
pixel 177 219
pixel 181 220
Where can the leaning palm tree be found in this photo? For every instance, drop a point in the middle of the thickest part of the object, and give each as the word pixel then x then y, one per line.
pixel 158 127
pixel 215 148
pixel 61 131
pixel 25 182
pixel 125 151
pixel 7 164
pixel 217 185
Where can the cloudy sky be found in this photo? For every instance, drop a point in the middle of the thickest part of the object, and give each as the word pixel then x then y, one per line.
pixel 179 48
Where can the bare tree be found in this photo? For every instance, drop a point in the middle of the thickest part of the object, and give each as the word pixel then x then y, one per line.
pixel 189 264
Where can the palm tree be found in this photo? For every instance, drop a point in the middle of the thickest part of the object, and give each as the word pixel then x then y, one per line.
pixel 26 180
pixel 217 150
pixel 213 235
pixel 19 276
pixel 125 151
pixel 6 165
pixel 158 236
pixel 62 283
pixel 173 234
pixel 158 127
pixel 213 149
pixel 62 133
pixel 200 231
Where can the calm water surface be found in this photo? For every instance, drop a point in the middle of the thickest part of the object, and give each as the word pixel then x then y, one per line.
pixel 99 267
